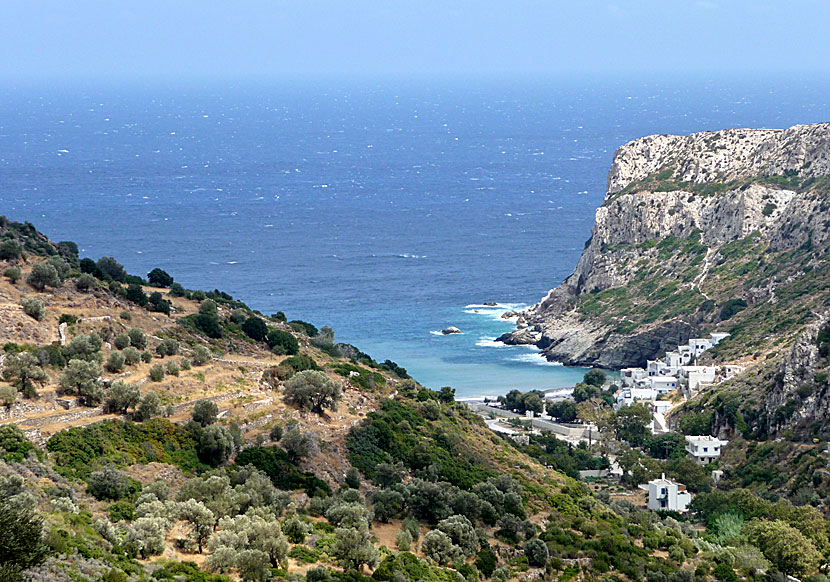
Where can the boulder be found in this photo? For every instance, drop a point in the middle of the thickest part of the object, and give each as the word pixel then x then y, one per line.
pixel 450 330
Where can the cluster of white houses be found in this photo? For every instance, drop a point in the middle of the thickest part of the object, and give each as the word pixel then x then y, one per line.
pixel 677 370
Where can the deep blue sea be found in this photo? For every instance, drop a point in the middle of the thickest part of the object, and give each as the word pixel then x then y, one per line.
pixel 387 210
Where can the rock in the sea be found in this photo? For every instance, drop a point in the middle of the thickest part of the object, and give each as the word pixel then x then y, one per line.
pixel 490 303
pixel 509 314
pixel 450 330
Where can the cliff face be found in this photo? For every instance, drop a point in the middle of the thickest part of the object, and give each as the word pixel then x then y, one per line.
pixel 688 224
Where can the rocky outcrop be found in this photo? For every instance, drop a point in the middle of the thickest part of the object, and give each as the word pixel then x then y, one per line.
pixel 797 397
pixel 713 187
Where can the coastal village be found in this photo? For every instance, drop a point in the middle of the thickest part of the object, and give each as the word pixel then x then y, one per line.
pixel 662 386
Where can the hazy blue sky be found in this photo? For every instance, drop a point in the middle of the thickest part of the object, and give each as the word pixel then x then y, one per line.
pixel 242 38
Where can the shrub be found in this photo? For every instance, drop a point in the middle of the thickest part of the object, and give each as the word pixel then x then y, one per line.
pixel 172 368
pixel 110 483
pixel 68 319
pixel 126 316
pixel 176 290
pixel 201 356
pixel 281 469
pixel 121 341
pixel 312 390
pixel 282 342
pixel 115 362
pixel 131 356
pixel 10 250
pixel 85 282
pixel 184 364
pixel 275 433
pixel 731 307
pixel 34 308
pixel 137 338
pixel 159 278
pixel 146 357
pixel 167 347
pixel 157 373
pixel 43 275
pixel 14 446
pixel 13 274
pixel 255 328
pixel 8 395
pixel 438 546
pixel 112 269
pixel 486 561
pixel 403 540
pixel 205 412
pixel 136 294
pixel 303 327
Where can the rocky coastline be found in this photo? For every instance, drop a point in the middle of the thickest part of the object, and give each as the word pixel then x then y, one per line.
pixel 714 187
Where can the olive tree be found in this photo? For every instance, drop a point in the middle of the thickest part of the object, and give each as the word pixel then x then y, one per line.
pixel 84 347
pixel 438 546
pixel 312 390
pixel 84 379
pixel 461 532
pixel 121 397
pixel 21 540
pixel 145 536
pixel 199 517
pixel 201 356
pixel 354 548
pixel 205 412
pixel 115 362
pixel 149 407
pixel 537 552
pixel 216 445
pixel 23 371
pixel 299 444
pixel 121 341
pixel 137 338
pixel 43 275
pixel 34 308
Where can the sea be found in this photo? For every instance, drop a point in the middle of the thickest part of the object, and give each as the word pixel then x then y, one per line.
pixel 387 209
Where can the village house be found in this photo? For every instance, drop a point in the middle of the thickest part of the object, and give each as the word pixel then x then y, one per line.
pixel 667 495
pixel 704 449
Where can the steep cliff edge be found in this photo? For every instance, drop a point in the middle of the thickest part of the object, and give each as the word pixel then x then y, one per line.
pixel 725 230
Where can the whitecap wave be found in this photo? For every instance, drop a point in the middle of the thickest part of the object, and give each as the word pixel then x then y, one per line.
pixel 536 358
pixel 490 342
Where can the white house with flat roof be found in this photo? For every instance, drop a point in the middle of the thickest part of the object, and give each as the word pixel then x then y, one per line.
pixel 628 396
pixel 704 449
pixel 698 376
pixel 664 384
pixel 667 495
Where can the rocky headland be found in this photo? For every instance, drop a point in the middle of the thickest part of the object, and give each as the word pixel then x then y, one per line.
pixel 725 230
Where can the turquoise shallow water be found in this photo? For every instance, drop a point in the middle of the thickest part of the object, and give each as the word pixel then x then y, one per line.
pixel 380 209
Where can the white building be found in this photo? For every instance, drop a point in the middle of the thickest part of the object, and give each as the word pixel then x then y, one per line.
pixel 628 396
pixel 704 449
pixel 632 376
pixel 664 384
pixel 667 495
pixel 698 375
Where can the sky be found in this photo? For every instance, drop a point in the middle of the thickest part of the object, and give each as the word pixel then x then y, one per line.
pixel 115 39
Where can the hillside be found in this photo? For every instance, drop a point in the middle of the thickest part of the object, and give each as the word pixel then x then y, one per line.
pixel 137 417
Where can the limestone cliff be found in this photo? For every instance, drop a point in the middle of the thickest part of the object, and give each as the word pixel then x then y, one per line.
pixel 693 230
